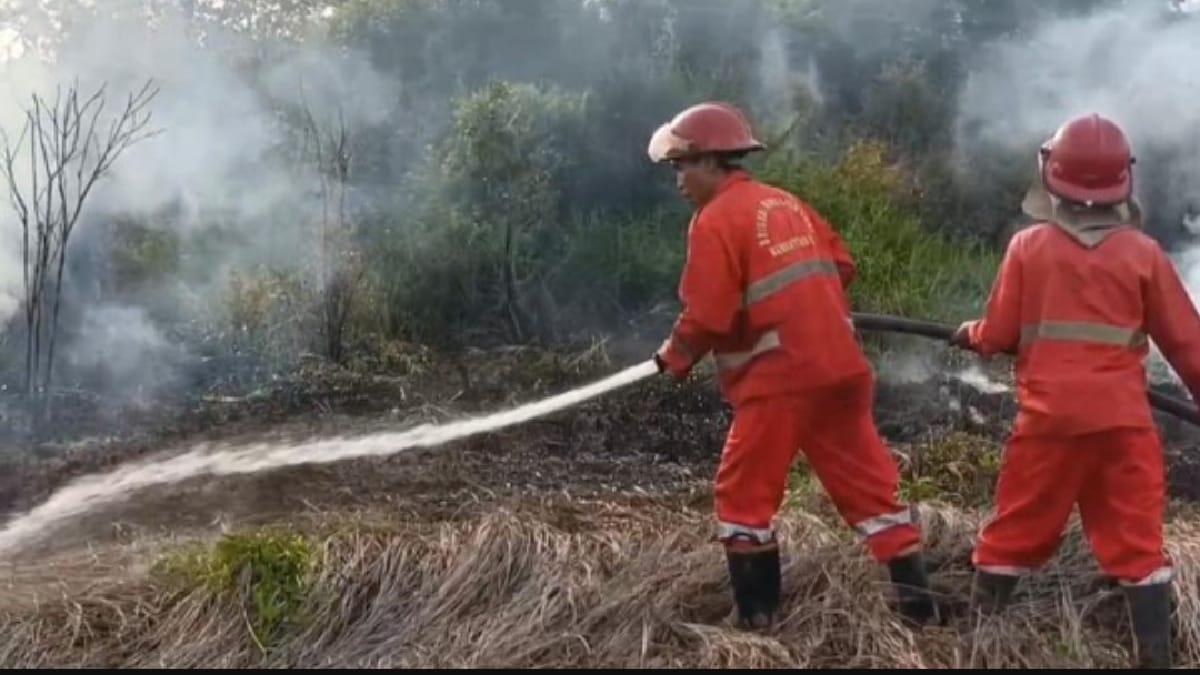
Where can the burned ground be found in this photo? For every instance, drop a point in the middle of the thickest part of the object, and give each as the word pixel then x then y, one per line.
pixel 655 439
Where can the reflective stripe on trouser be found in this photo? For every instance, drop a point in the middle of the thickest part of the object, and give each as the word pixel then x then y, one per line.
pixel 762 535
pixel 1005 570
pixel 1082 331
pixel 834 429
pixel 1115 477
pixel 876 524
pixel 867 528
pixel 1161 575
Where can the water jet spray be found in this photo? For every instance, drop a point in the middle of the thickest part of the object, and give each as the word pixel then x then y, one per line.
pixel 1183 410
pixel 96 490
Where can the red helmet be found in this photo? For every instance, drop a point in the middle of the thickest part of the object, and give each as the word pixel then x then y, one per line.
pixel 712 126
pixel 1088 161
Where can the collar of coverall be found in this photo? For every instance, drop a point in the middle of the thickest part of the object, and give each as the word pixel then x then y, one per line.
pixel 734 176
pixel 1087 225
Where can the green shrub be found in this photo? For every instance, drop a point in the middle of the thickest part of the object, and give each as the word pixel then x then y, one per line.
pixel 494 221
pixel 618 262
pixel 270 571
pixel 903 267
pixel 957 468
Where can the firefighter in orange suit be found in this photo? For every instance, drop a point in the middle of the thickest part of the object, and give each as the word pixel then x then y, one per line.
pixel 1077 294
pixel 763 290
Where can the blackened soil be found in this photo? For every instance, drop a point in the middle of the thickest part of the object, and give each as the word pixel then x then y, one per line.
pixel 656 439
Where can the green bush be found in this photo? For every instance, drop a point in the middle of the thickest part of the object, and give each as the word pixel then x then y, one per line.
pixel 487 219
pixel 270 571
pixel 494 223
pixel 957 468
pixel 903 267
pixel 620 263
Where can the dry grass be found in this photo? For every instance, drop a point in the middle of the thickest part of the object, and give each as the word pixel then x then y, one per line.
pixel 559 584
pixel 550 582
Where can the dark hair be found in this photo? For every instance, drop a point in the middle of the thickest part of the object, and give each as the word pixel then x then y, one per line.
pixel 729 161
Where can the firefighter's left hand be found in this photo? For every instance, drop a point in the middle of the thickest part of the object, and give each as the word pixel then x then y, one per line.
pixel 962 336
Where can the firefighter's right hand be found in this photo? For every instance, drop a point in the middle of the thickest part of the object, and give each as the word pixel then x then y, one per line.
pixel 662 359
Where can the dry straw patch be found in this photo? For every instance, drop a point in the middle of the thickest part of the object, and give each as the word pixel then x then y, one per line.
pixel 558 584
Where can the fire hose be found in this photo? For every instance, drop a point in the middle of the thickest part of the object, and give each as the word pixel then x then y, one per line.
pixel 1183 410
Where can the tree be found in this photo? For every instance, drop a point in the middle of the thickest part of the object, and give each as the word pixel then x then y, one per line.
pixel 69 150
pixel 503 164
pixel 338 268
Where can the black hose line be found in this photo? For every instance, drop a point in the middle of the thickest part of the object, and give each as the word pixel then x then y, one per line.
pixel 1184 410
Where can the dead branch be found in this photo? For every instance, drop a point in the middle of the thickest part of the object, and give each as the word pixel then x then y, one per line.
pixel 337 268
pixel 72 144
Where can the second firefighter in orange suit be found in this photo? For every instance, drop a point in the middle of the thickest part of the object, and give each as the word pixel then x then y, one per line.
pixel 1077 295
pixel 763 290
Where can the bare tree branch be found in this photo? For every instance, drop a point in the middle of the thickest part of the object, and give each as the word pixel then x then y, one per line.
pixel 69 152
pixel 338 270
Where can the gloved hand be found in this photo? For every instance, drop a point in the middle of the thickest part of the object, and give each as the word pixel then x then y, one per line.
pixel 962 336
pixel 669 363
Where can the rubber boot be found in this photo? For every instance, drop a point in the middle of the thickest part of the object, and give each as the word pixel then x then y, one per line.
pixel 755 576
pixel 990 592
pixel 912 588
pixel 1150 614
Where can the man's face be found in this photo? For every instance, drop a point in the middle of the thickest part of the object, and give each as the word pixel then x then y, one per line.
pixel 697 178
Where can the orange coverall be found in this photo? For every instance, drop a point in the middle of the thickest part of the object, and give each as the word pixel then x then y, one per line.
pixel 1078 320
pixel 763 288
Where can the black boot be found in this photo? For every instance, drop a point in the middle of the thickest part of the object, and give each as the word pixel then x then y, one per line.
pixel 1150 614
pixel 912 587
pixel 992 592
pixel 755 576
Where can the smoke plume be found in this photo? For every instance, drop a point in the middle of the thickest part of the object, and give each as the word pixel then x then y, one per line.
pixel 1133 63
pixel 223 162
pixel 229 178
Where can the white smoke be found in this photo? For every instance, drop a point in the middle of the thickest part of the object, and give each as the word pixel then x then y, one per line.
pixel 909 360
pixel 122 345
pixel 1129 63
pixel 15 86
pixel 1133 63
pixel 219 157
pixel 974 377
pixel 10 44
pixel 778 82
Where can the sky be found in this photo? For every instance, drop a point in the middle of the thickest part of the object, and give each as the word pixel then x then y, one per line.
pixel 10 47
